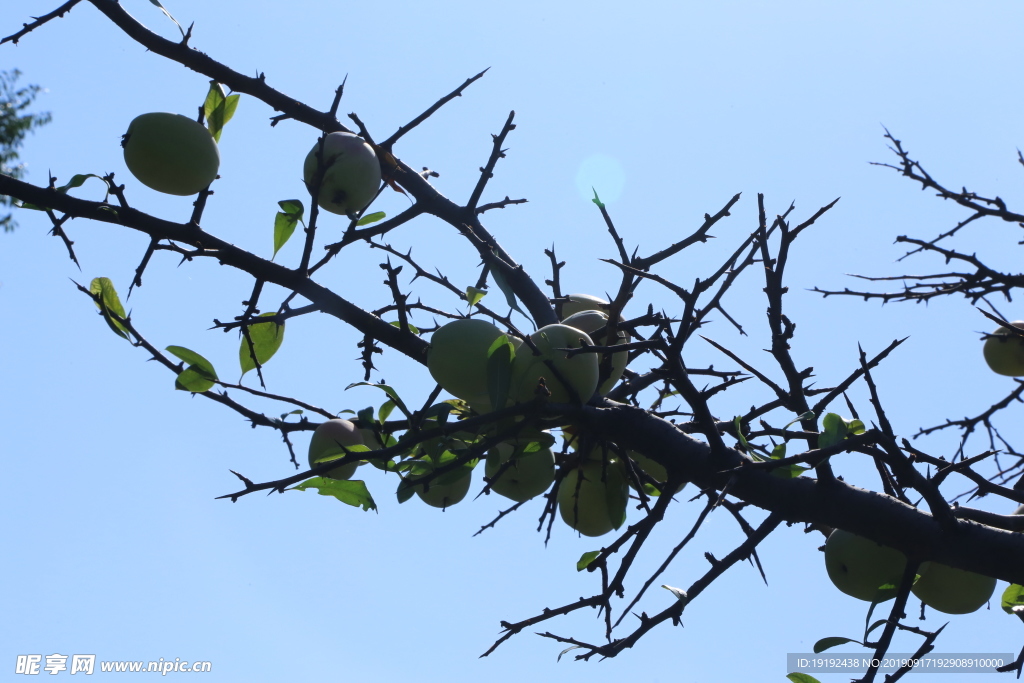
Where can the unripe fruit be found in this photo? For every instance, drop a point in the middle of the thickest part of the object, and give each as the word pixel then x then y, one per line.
pixel 653 468
pixel 583 302
pixel 597 506
pixel 444 491
pixel 328 439
pixel 457 359
pixel 529 475
pixel 171 153
pixel 858 566
pixel 953 591
pixel 591 322
pixel 351 173
pixel 580 372
pixel 1004 352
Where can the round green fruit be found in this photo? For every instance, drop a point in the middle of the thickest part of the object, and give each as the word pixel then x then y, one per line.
pixel 446 490
pixel 1004 352
pixel 529 475
pixel 952 591
pixel 351 173
pixel 171 153
pixel 457 358
pixel 592 498
pixel 592 322
pixel 582 302
pixel 859 567
pixel 329 439
pixel 580 372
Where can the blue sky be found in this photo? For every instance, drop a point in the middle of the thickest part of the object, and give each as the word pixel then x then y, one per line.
pixel 116 545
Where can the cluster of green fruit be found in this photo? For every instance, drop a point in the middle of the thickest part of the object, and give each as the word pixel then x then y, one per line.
pixel 173 154
pixel 1004 351
pixel 872 572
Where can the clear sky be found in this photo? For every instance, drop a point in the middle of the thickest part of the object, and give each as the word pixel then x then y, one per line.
pixel 115 544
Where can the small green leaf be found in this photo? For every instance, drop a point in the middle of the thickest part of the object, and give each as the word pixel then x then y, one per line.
pixel 412 328
pixel 199 376
pixel 218 108
pixel 392 394
pixel 474 295
pixel 266 340
pixel 405 491
pixel 371 218
pixel 79 180
pixel 833 430
pixel 879 622
pixel 285 221
pixel 499 371
pixel 744 446
pixel 789 471
pixel 809 415
pixel 798 677
pixel 831 642
pixel 162 9
pixel 779 452
pixel 503 285
pixel 596 199
pixel 109 303
pixel 385 411
pixel 586 559
pixel 352 493
pixel 1013 600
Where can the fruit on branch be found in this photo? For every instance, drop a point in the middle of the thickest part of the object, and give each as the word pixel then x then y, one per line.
pixel 445 490
pixel 593 495
pixel 351 173
pixel 529 474
pixel 950 590
pixel 457 358
pixel 592 322
pixel 329 439
pixel 1004 351
pixel 859 567
pixel 170 153
pixel 583 302
pixel 579 373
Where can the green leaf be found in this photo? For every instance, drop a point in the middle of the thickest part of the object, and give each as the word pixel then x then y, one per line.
pixel 586 559
pixel 879 622
pixel 79 180
pixel 789 471
pixel 285 221
pixel 831 642
pixel 218 108
pixel 109 303
pixel 266 340
pixel 392 394
pixel 385 410
pixel 162 9
pixel 798 677
pixel 199 376
pixel 1013 600
pixel 809 415
pixel 833 430
pixel 779 452
pixel 371 218
pixel 474 295
pixel 499 371
pixel 596 199
pixel 398 324
pixel 352 493
pixel 503 285
pixel 744 446
pixel 405 491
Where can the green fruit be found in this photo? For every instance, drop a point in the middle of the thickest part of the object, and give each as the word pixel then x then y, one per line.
pixel 171 153
pixel 594 321
pixel 457 359
pixel 583 302
pixel 580 372
pixel 1004 352
pixel 953 591
pixel 859 567
pixel 445 490
pixel 529 475
pixel 328 439
pixel 351 174
pixel 598 505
